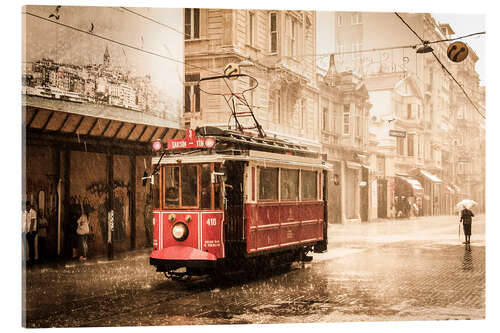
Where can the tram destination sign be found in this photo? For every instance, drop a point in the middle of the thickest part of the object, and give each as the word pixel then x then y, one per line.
pixel 191 141
pixel 398 134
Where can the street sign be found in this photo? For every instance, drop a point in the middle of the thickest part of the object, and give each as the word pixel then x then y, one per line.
pixel 191 141
pixel 457 51
pixel 232 69
pixel 399 134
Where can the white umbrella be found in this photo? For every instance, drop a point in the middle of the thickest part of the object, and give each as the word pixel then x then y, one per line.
pixel 467 203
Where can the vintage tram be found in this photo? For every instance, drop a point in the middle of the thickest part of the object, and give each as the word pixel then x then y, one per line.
pixel 226 200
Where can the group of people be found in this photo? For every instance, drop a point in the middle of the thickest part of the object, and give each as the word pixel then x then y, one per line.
pixel 35 227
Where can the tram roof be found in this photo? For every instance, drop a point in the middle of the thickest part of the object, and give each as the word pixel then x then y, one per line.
pixel 267 159
pixel 249 141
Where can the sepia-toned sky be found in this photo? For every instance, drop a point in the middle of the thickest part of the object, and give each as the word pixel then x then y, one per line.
pixel 64 45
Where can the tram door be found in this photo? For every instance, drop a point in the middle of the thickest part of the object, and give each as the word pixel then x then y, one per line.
pixel 234 225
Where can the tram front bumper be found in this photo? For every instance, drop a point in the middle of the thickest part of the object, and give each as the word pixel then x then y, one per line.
pixel 181 256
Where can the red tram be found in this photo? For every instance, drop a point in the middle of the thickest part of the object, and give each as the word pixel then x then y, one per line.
pixel 225 200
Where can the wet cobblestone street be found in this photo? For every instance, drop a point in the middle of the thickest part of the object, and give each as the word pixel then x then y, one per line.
pixel 390 270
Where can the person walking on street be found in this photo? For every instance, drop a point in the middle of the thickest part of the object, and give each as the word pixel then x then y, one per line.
pixel 82 231
pixel 466 219
pixel 30 228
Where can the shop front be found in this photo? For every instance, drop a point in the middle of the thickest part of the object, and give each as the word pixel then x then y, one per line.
pixel 76 160
pixel 433 201
pixel 408 197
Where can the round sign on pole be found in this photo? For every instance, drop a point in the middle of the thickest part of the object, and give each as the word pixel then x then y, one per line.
pixel 457 51
pixel 232 69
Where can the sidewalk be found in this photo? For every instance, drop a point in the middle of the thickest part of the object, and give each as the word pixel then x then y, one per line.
pixel 101 259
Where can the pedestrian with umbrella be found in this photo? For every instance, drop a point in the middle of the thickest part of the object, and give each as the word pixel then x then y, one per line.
pixel 466 217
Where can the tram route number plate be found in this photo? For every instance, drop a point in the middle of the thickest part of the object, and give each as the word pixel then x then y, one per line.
pixel 212 222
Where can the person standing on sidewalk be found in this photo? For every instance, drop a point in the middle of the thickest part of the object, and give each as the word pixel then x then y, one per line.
pixel 466 219
pixel 82 232
pixel 30 229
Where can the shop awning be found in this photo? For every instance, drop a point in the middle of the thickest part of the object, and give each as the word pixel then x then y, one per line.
pixel 430 176
pixel 96 121
pixel 415 184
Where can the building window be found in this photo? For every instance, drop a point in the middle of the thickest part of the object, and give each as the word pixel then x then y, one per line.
pixel 274 32
pixel 356 18
pixel 252 28
pixel 292 35
pixel 400 142
pixel 359 122
pixel 411 144
pixel 192 93
pixel 347 119
pixel 294 38
pixel 339 20
pixel 191 23
pixel 325 118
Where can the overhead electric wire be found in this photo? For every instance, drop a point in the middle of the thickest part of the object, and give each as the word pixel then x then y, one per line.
pixel 442 65
pixel 457 38
pixel 123 44
pixel 413 46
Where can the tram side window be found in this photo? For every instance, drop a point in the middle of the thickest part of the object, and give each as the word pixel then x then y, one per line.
pixel 268 183
pixel 206 187
pixel 309 186
pixel 171 186
pixel 289 184
pixel 189 187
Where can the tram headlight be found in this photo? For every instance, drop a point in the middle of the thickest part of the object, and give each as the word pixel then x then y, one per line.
pixel 180 231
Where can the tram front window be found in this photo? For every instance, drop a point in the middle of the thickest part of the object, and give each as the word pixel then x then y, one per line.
pixel 181 188
pixel 189 187
pixel 172 186
pixel 206 186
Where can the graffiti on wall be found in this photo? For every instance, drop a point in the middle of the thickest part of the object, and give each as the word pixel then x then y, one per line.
pixel 95 202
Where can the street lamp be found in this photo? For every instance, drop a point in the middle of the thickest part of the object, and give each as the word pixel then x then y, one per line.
pixel 425 48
